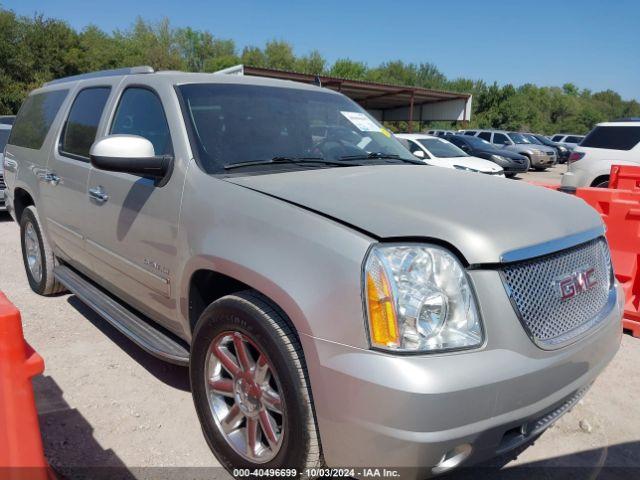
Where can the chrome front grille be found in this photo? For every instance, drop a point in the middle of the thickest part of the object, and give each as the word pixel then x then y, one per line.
pixel 537 287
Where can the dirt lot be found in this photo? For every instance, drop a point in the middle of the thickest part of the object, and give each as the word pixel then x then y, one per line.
pixel 105 403
pixel 550 175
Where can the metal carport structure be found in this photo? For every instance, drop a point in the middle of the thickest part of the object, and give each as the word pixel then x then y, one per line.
pixel 385 102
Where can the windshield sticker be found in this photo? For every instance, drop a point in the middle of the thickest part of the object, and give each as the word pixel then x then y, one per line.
pixel 385 132
pixel 364 142
pixel 361 121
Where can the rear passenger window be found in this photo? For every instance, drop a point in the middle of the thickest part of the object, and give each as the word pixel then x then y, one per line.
pixel 35 118
pixel 614 138
pixel 140 113
pixel 82 123
pixel 470 132
pixel 573 139
pixel 500 139
pixel 485 136
pixel 557 138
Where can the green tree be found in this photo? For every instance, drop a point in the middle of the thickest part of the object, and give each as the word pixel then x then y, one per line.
pixel 279 55
pixel 345 68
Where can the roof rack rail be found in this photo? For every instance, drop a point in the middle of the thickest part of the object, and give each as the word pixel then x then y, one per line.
pixel 103 73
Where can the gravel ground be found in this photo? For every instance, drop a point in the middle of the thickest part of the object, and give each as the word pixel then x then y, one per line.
pixel 550 175
pixel 103 402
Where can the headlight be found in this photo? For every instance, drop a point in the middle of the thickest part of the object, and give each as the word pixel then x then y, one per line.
pixel 561 148
pixel 419 299
pixel 497 158
pixel 466 169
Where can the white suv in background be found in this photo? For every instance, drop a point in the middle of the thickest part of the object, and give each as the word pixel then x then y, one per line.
pixel 567 139
pixel 439 152
pixel 610 143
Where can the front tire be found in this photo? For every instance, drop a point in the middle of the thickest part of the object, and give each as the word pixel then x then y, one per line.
pixel 250 387
pixel 39 260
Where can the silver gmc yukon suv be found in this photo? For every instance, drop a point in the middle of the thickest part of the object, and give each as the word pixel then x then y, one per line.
pixel 337 304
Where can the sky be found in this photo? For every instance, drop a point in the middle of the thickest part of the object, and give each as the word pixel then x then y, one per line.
pixel 593 44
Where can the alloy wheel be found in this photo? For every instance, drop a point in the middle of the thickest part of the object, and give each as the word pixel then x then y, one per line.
pixel 33 253
pixel 245 397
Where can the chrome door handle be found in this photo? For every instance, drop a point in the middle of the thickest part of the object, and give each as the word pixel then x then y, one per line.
pixel 51 178
pixel 98 194
pixel 48 176
pixel 10 165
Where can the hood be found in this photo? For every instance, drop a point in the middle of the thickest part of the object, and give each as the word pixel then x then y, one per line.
pixel 502 152
pixel 486 219
pixel 533 146
pixel 476 163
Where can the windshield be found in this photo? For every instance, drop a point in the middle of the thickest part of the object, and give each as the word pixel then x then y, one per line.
pixel 233 124
pixel 519 138
pixel 478 142
pixel 532 138
pixel 441 148
pixel 544 140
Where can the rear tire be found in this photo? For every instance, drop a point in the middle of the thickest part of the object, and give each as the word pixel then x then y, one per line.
pixel 39 260
pixel 233 402
pixel 601 182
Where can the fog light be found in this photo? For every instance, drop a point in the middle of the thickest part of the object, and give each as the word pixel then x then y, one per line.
pixel 453 458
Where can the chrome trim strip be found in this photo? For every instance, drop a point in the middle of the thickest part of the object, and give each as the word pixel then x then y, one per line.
pixel 551 246
pixel 66 229
pixel 128 268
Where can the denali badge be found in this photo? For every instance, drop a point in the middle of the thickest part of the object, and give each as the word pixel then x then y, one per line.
pixel 575 283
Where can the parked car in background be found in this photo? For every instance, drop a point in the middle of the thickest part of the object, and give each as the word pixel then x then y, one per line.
pixel 562 151
pixel 609 143
pixel 439 152
pixel 5 130
pixel 511 162
pixel 540 156
pixel 7 119
pixel 441 133
pixel 567 139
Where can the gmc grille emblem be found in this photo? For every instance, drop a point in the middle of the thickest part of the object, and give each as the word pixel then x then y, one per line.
pixel 575 283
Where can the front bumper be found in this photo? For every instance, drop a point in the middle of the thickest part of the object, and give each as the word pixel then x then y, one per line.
pixel 381 410
pixel 542 159
pixel 576 177
pixel 511 166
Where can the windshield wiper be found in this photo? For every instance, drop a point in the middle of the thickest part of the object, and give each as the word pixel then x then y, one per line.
pixel 293 160
pixel 381 156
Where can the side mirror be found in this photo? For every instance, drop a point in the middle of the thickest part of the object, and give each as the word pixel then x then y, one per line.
pixel 418 153
pixel 129 154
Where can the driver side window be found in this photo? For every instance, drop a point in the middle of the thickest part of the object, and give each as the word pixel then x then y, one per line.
pixel 413 146
pixel 500 139
pixel 140 113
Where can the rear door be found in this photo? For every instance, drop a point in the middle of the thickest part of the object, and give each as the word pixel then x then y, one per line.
pixel 65 191
pixel 132 234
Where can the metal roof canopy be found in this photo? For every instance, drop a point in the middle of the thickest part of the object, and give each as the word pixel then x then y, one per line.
pixel 385 102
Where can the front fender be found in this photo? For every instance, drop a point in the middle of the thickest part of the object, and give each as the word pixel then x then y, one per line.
pixel 310 266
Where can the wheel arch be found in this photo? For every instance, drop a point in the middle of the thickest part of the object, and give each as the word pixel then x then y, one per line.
pixel 206 284
pixel 22 199
pixel 599 179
